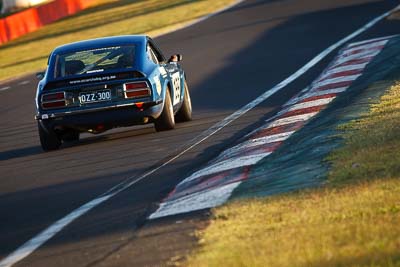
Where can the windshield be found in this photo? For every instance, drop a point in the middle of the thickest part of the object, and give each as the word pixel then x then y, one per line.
pixel 95 60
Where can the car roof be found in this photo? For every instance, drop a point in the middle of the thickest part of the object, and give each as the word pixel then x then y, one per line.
pixel 102 42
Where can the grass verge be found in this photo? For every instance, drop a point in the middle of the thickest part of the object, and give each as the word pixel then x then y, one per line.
pixel 106 18
pixel 352 221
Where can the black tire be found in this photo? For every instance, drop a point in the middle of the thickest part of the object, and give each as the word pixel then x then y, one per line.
pixel 185 112
pixel 70 136
pixel 166 121
pixel 48 138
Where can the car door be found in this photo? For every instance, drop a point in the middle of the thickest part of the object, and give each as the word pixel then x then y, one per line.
pixel 173 71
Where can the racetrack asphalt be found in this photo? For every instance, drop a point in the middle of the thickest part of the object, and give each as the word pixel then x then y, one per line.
pixel 230 59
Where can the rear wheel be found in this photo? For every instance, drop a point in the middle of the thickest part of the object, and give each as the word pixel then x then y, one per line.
pixel 166 121
pixel 48 138
pixel 185 112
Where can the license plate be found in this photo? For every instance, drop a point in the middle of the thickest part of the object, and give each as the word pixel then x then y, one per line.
pixel 97 96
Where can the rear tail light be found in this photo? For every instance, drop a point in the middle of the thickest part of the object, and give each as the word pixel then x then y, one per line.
pixel 136 90
pixel 53 100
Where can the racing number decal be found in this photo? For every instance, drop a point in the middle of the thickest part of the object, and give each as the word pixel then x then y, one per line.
pixel 176 80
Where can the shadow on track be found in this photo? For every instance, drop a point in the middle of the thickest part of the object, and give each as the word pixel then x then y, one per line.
pixel 270 56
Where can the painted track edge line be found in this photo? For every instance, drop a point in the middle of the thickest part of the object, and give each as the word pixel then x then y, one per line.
pixel 167 207
pixel 11 260
pixel 302 70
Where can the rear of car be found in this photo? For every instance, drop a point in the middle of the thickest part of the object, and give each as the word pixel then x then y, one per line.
pixel 95 85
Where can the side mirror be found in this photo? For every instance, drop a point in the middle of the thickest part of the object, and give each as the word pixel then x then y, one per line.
pixel 175 58
pixel 40 75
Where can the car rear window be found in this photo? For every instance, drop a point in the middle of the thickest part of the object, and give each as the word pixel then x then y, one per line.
pixel 95 60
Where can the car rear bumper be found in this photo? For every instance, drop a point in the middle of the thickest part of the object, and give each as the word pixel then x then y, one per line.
pixel 105 118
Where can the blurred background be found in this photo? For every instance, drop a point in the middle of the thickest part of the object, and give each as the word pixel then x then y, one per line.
pixel 8 6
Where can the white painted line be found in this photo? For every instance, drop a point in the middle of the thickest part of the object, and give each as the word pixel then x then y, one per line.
pixel 375 39
pixel 346 68
pixel 370 46
pixel 197 201
pixel 358 61
pixel 291 119
pixel 361 55
pixel 316 91
pixel 190 203
pixel 341 69
pixel 5 88
pixel 206 198
pixel 309 104
pixel 24 82
pixel 346 78
pixel 305 68
pixel 321 93
pixel 48 233
pixel 25 251
pixel 225 165
pixel 312 93
pixel 257 142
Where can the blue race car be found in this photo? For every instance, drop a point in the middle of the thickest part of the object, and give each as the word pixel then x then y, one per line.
pixel 95 85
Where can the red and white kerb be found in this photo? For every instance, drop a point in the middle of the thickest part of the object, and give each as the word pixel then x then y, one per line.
pixel 212 185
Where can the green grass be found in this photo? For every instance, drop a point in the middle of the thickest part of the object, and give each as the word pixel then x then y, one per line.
pixel 372 144
pixel 352 221
pixel 108 17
